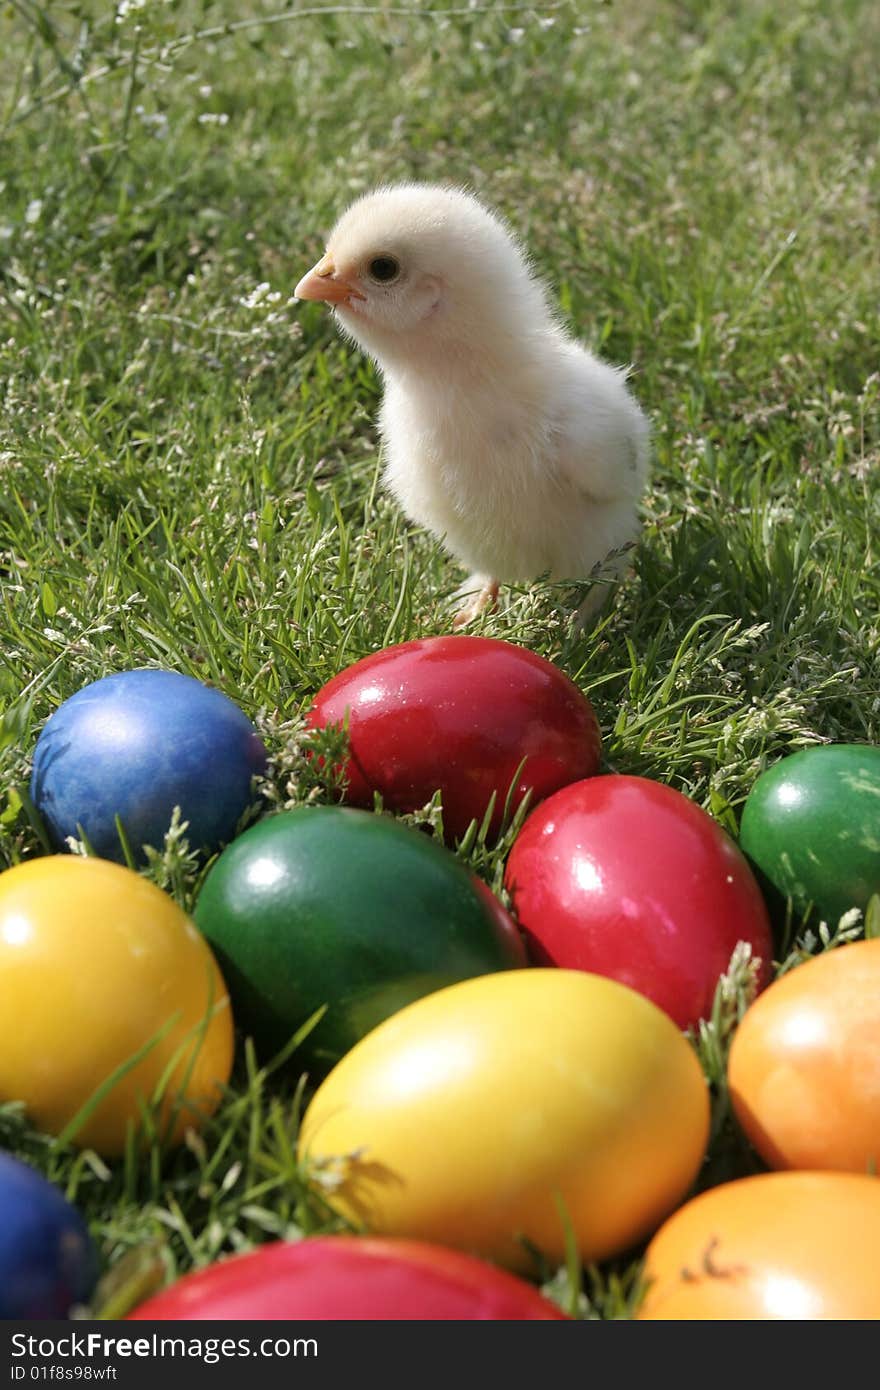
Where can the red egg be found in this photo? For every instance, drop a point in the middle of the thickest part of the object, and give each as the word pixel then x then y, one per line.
pixel 459 715
pixel 348 1277
pixel 625 877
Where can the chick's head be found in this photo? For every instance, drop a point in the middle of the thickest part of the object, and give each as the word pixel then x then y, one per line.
pixel 413 268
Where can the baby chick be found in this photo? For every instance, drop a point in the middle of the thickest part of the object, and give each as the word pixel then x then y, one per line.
pixel 503 435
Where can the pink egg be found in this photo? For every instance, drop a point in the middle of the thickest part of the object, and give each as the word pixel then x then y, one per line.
pixel 627 878
pixel 349 1277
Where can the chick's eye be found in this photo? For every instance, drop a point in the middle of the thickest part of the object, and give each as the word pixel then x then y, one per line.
pixel 384 269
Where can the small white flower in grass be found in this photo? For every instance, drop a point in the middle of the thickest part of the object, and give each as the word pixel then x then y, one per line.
pixel 33 211
pixel 261 297
pixel 334 1172
pixel 213 118
pixel 205 90
pixel 516 35
pixel 196 1144
pixel 250 301
pixel 231 1177
pixel 848 923
pixel 156 121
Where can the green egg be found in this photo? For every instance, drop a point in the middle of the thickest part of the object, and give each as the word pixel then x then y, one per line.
pixel 330 906
pixel 811 825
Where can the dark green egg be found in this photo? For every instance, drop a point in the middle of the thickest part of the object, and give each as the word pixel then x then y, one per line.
pixel 326 905
pixel 811 825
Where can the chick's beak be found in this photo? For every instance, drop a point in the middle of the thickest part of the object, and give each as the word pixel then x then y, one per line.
pixel 324 283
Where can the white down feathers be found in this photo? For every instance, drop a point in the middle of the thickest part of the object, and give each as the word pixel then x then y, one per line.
pixel 503 435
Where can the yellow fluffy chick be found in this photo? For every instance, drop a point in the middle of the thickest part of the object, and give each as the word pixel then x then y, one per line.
pixel 503 435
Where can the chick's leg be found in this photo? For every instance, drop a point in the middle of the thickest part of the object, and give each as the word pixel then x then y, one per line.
pixel 592 605
pixel 606 576
pixel 478 593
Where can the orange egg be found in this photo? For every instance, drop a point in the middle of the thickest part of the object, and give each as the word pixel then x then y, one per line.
pixel 804 1069
pixel 776 1246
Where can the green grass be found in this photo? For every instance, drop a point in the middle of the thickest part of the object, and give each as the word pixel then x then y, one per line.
pixel 188 465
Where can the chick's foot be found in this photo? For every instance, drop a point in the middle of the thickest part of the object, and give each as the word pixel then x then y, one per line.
pixel 478 602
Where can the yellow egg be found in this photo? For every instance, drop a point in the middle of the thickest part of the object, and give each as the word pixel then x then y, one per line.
pixel 95 963
pixel 500 1109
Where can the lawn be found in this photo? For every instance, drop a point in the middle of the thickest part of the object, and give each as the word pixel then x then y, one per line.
pixel 189 472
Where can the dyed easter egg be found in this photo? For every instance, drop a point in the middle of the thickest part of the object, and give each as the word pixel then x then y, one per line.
pixel 326 905
pixel 811 824
pixel 804 1067
pixel 471 717
pixel 135 745
pixel 98 968
pixel 502 1110
pixel 350 1277
pixel 630 879
pixel 780 1245
pixel 47 1260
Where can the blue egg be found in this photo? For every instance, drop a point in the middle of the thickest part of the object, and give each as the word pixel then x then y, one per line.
pixel 47 1259
pixel 137 744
